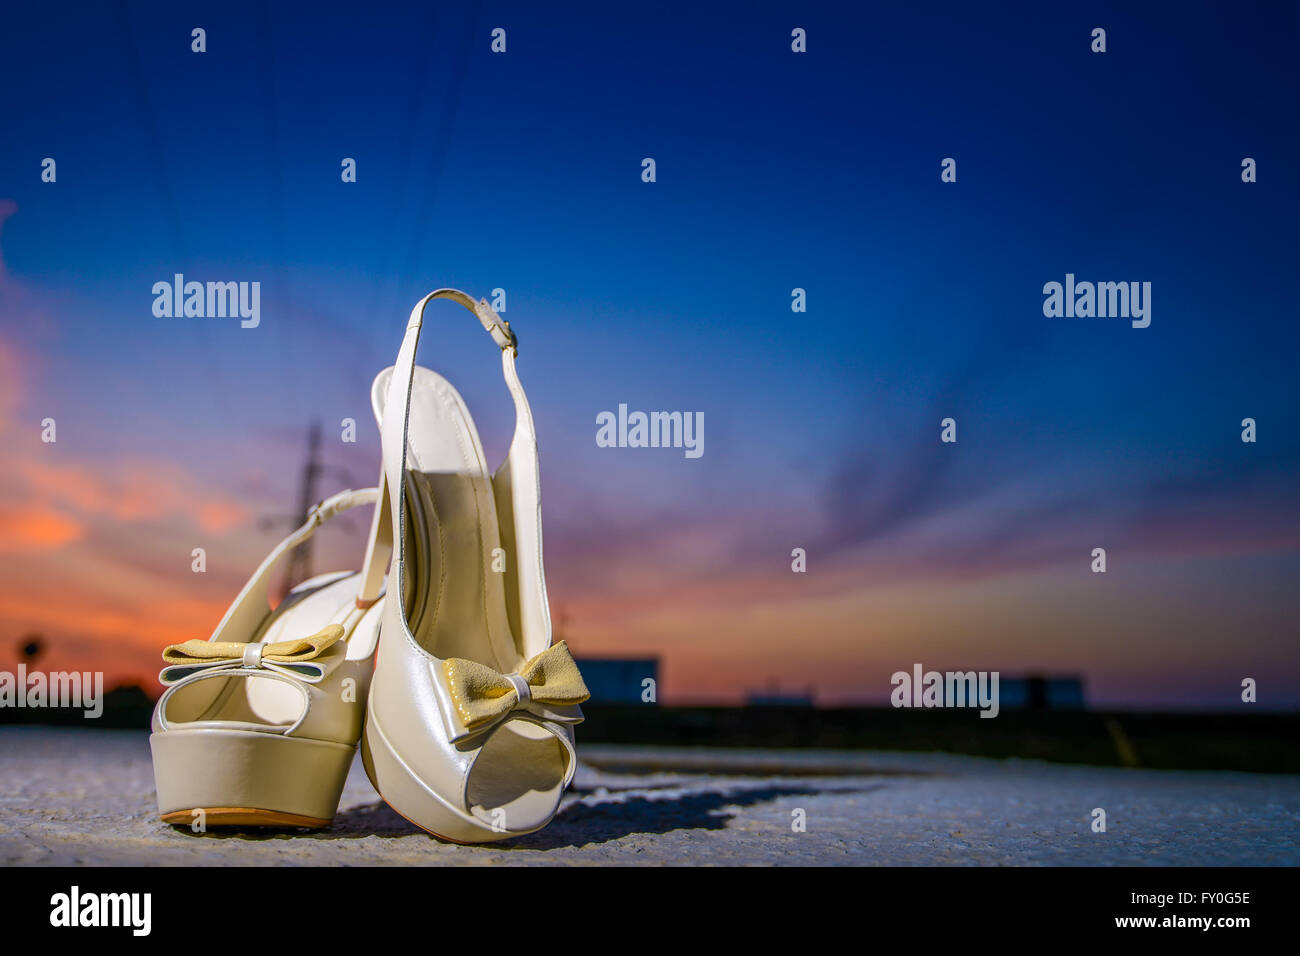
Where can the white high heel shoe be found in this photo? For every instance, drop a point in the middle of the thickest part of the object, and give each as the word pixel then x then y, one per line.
pixel 469 723
pixel 259 724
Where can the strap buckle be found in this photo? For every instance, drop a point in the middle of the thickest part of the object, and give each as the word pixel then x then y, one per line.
pixel 496 326
pixel 326 509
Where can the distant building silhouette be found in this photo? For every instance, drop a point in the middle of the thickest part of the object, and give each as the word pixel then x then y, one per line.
pixel 618 680
pixel 1035 692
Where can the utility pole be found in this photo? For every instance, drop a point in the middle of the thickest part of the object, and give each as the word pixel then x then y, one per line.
pixel 298 568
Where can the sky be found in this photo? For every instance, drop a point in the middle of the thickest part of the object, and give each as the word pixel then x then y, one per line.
pixel 775 170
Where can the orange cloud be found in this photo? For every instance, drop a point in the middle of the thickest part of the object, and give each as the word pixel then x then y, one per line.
pixel 39 528
pixel 219 516
pixel 131 490
pixel 121 637
pixel 66 485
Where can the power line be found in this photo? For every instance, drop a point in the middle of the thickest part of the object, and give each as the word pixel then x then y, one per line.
pixel 442 137
pixel 153 146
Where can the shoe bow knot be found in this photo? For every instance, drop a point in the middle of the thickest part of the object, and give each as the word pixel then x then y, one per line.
pixel 483 696
pixel 296 658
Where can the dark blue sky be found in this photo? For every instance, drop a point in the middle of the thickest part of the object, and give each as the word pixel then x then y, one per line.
pixel 775 171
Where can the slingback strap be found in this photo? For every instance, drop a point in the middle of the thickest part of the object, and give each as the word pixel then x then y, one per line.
pixel 379 546
pixel 254 601
pixel 496 326
pixel 517 478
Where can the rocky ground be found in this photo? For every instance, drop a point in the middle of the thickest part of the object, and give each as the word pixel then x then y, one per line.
pixel 73 796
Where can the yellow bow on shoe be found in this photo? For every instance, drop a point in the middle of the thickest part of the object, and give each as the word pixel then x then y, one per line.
pixel 483 696
pixel 296 657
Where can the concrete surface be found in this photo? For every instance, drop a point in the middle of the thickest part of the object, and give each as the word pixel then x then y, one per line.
pixel 74 796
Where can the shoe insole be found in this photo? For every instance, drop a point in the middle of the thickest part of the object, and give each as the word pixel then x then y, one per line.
pixel 458 600
pixel 520 771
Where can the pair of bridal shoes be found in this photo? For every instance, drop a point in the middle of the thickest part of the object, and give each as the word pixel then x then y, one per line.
pixel 436 657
